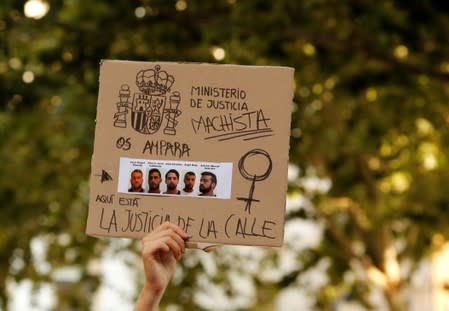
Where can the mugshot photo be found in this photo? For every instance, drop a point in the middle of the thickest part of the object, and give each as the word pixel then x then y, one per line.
pixel 175 178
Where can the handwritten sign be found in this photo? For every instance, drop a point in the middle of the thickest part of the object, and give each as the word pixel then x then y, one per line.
pixel 203 146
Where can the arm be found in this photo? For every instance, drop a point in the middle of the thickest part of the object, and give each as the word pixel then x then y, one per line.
pixel 160 251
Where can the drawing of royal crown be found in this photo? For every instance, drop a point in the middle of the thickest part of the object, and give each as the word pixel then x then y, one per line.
pixel 148 108
pixel 154 81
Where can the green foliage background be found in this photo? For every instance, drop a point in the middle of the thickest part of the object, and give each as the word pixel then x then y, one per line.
pixel 371 115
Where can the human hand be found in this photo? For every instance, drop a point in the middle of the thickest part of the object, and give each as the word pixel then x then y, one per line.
pixel 160 251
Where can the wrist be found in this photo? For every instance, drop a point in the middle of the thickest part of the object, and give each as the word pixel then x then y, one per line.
pixel 151 290
pixel 149 298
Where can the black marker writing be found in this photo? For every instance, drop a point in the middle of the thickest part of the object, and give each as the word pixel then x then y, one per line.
pixel 231 125
pixel 226 105
pixel 233 93
pixel 248 227
pixel 151 106
pixel 230 122
pixel 123 143
pixel 106 199
pixel 139 221
pixel 185 224
pixel 253 177
pixel 129 201
pixel 110 223
pixel 207 229
pixel 166 148
pixel 218 104
pixel 133 220
pixel 104 176
pixel 235 226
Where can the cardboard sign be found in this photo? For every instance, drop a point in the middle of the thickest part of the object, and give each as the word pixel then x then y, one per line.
pixel 204 146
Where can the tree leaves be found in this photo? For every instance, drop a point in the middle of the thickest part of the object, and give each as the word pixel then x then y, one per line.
pixel 370 115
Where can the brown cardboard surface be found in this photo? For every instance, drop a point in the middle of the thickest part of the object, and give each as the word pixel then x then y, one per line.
pixel 231 120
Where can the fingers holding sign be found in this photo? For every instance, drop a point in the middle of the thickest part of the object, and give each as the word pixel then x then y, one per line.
pixel 160 251
pixel 165 238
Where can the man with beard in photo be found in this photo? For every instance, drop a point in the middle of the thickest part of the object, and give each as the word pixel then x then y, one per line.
pixel 208 182
pixel 172 179
pixel 154 181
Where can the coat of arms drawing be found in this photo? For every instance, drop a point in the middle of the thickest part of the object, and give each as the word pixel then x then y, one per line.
pixel 151 106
